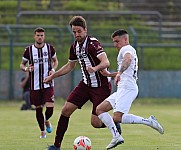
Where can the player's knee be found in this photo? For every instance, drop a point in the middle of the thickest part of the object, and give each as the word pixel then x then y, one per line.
pixel 117 118
pixel 98 110
pixel 96 124
pixel 101 108
pixel 49 104
pixel 65 111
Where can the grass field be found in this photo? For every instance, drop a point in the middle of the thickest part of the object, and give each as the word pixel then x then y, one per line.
pixel 19 129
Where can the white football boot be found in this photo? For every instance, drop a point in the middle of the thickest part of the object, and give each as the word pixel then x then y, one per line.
pixel 155 125
pixel 115 142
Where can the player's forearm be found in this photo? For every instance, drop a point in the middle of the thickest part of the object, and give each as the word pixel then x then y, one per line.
pixel 125 64
pixel 113 74
pixel 63 70
pixel 55 64
pixel 22 67
pixel 103 65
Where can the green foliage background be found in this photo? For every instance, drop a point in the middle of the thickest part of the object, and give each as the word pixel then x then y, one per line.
pixel 100 26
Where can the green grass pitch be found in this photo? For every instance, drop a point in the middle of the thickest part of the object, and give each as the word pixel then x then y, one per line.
pixel 19 129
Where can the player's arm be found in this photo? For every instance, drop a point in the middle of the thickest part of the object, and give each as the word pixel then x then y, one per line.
pixel 106 73
pixel 65 69
pixel 25 68
pixel 54 65
pixel 125 64
pixel 62 71
pixel 104 63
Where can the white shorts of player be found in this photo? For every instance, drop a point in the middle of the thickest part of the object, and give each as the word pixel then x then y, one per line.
pixel 122 99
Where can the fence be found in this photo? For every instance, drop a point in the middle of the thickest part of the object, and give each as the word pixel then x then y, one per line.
pixel 141 38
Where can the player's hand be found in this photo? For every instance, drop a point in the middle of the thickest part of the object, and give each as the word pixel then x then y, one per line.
pixel 117 79
pixel 51 72
pixel 105 73
pixel 30 68
pixel 48 80
pixel 91 69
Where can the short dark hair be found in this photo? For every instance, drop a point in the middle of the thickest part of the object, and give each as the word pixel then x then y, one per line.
pixel 78 21
pixel 119 32
pixel 39 29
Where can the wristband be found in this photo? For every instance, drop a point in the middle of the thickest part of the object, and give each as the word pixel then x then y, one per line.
pixel 25 69
pixel 53 69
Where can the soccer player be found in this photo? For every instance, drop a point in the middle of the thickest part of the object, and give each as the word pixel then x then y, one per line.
pixel 94 86
pixel 127 90
pixel 42 61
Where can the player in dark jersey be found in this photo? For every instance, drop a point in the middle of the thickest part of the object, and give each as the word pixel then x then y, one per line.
pixel 42 61
pixel 94 86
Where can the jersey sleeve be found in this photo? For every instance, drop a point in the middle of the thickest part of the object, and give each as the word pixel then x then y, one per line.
pixel 26 55
pixel 127 50
pixel 53 52
pixel 72 55
pixel 96 47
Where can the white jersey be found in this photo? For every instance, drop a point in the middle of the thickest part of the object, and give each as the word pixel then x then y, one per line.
pixel 129 76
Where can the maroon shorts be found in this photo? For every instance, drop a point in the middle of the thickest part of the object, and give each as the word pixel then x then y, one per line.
pixel 40 97
pixel 82 93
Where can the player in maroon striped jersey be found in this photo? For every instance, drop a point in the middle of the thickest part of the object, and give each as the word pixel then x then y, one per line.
pixel 94 86
pixel 42 61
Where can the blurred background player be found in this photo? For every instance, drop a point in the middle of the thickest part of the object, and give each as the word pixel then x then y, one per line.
pixel 25 85
pixel 42 61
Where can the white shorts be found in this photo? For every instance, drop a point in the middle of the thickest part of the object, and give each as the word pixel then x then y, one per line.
pixel 122 99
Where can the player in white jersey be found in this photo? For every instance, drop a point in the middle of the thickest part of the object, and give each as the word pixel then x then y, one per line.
pixel 42 61
pixel 127 91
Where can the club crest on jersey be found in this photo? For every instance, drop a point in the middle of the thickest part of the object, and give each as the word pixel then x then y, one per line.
pixel 45 53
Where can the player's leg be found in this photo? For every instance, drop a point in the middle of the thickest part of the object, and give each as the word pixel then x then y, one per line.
pixel 97 96
pixel 63 122
pixel 102 111
pixel 113 101
pixel 35 98
pixel 49 103
pixel 76 99
pixel 127 98
pixel 48 114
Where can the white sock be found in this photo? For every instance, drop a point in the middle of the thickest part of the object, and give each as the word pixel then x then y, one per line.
pixel 108 121
pixel 133 119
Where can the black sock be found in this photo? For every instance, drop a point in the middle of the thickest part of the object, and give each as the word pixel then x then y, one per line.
pixel 40 118
pixel 48 112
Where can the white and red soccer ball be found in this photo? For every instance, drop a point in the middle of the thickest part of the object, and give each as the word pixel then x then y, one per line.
pixel 82 143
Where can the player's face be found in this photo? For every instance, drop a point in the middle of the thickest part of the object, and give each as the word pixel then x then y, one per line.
pixel 39 37
pixel 119 42
pixel 79 33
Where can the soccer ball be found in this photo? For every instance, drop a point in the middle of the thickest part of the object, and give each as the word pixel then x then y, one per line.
pixel 82 143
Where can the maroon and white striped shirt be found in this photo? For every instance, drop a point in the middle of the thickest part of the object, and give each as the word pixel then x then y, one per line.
pixel 41 59
pixel 87 53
